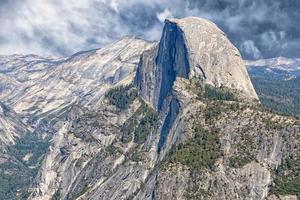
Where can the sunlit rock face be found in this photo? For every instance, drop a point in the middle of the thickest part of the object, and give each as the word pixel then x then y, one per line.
pixel 191 47
pixel 101 149
pixel 40 88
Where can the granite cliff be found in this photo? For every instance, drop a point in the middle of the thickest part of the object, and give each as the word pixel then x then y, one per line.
pixel 177 119
pixel 191 47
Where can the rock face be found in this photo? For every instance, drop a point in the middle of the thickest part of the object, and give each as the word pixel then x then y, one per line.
pixel 11 126
pixel 42 87
pixel 144 121
pixel 191 47
pixel 40 92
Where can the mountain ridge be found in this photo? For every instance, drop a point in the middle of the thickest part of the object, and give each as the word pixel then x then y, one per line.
pixel 138 120
pixel 186 49
pixel 280 67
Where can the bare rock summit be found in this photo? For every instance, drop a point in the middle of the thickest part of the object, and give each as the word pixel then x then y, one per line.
pixel 192 47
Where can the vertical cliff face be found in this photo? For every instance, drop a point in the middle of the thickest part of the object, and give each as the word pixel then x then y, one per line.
pixel 160 66
pixel 171 136
pixel 191 47
pixel 247 150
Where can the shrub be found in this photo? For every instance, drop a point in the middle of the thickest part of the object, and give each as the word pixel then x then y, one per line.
pixel 141 124
pixel 287 178
pixel 246 147
pixel 211 112
pixel 199 152
pixel 146 125
pixel 30 143
pixel 287 186
pixel 122 96
pixel 222 93
pixel 16 174
pixel 112 150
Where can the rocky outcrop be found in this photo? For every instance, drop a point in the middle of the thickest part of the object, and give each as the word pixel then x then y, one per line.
pixel 191 47
pixel 108 152
pixel 42 88
pixel 162 137
pixel 43 91
pixel 254 143
pixel 160 66
pixel 11 126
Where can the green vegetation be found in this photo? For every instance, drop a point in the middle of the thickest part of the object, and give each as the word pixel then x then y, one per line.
pixel 112 150
pixel 287 178
pixel 128 128
pixel 196 85
pixel 136 155
pixel 215 108
pixel 199 152
pixel 288 186
pixel 215 93
pixel 272 125
pixel 195 192
pixel 122 96
pixel 146 125
pixel 14 180
pixel 205 91
pixel 211 112
pixel 239 162
pixel 278 95
pixel 142 123
pixel 30 144
pixel 16 174
pixel 246 147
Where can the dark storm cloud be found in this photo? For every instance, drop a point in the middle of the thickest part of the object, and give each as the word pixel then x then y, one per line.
pixel 259 28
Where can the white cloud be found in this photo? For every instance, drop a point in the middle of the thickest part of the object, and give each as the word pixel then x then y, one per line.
pixel 249 47
pixel 114 5
pixel 270 39
pixel 45 26
pixel 63 27
pixel 68 26
pixel 164 15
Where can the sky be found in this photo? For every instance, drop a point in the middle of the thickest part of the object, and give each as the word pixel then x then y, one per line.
pixel 258 28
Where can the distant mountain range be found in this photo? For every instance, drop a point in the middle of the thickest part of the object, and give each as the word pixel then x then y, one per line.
pixel 277 82
pixel 281 67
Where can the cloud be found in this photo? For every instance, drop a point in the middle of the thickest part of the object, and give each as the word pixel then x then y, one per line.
pixel 164 15
pixel 259 28
pixel 249 48
pixel 58 27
